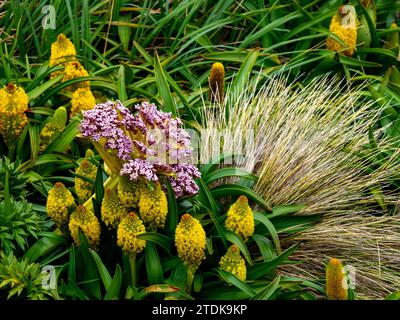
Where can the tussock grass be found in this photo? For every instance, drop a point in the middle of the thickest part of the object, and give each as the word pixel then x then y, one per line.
pixel 312 145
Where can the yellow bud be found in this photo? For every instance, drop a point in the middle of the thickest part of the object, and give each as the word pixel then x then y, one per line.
pixel 112 211
pixel 216 82
pixel 344 25
pixel 190 241
pixel 240 218
pixel 233 262
pixel 86 221
pixel 127 235
pixel 335 289
pixel 84 188
pixel 82 100
pixel 53 127
pixel 60 203
pixel 153 206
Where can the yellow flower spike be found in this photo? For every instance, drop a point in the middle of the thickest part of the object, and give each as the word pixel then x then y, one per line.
pixel 129 191
pixel 60 203
pixel 335 277
pixel 240 218
pixel 82 100
pixel 233 262
pixel 53 127
pixel 216 82
pixel 13 99
pixel 112 211
pixel 86 221
pixel 190 241
pixel 75 70
pixel 127 235
pixel 61 50
pixel 344 25
pixel 84 188
pixel 13 104
pixel 153 206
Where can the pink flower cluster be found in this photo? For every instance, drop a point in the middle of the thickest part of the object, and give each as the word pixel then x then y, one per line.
pixel 148 143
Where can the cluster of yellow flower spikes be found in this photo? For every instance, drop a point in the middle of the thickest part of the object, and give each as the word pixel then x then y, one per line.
pixel 13 104
pixel 127 235
pixel 233 262
pixel 336 281
pixel 63 53
pixel 344 26
pixel 190 241
pixel 240 218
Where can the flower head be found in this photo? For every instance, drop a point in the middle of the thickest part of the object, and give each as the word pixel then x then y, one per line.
pixel 86 221
pixel 233 262
pixel 13 99
pixel 75 70
pixel 53 127
pixel 112 211
pixel 153 206
pixel 60 203
pixel 144 145
pixel 13 104
pixel 344 25
pixel 240 218
pixel 82 100
pixel 335 277
pixel 127 235
pixel 83 187
pixel 190 241
pixel 129 192
pixel 216 82
pixel 182 181
pixel 61 50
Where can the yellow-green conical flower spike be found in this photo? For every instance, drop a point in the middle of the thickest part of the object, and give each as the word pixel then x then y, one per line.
pixel 83 187
pixel 53 127
pixel 127 235
pixel 335 289
pixel 112 211
pixel 13 104
pixel 344 25
pixel 60 203
pixel 82 100
pixel 216 82
pixel 153 206
pixel 61 50
pixel 190 241
pixel 129 191
pixel 240 218
pixel 86 221
pixel 233 262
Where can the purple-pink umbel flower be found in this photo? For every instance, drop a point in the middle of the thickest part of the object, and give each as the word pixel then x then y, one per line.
pixel 148 143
